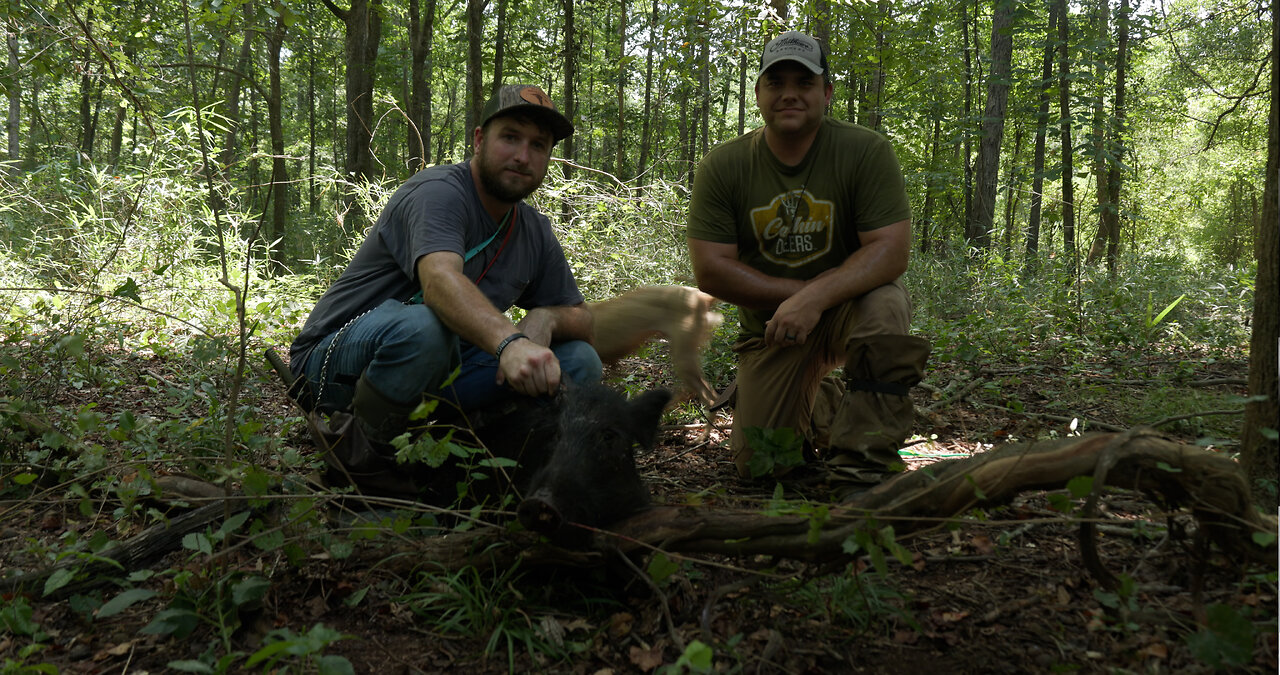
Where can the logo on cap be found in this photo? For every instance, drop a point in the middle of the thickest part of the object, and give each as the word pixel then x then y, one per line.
pixel 536 96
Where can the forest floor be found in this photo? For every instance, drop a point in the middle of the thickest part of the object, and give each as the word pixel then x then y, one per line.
pixel 1002 590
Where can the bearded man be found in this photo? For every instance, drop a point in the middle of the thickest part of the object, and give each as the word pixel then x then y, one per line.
pixel 425 295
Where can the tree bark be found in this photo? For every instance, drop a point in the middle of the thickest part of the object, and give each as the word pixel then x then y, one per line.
pixel 13 122
pixel 1108 238
pixel 646 130
pixel 363 22
pixel 981 218
pixel 967 126
pixel 620 135
pixel 475 70
pixel 279 169
pixel 421 34
pixel 1064 114
pixel 1031 263
pixel 231 106
pixel 1259 449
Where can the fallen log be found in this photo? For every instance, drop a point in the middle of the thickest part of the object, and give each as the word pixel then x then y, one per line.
pixel 1212 487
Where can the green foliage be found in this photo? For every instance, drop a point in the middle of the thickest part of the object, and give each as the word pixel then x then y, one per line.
pixel 469 603
pixel 1227 641
pixel 773 450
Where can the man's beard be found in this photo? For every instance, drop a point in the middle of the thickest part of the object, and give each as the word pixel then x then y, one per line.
pixel 493 184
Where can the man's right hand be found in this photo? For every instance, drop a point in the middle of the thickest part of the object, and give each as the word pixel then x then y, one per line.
pixel 529 368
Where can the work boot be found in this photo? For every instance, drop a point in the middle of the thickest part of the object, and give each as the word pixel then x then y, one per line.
pixel 875 415
pixel 359 443
pixel 380 418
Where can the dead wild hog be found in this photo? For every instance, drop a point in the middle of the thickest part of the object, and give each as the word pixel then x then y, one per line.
pixel 589 476
pixel 680 314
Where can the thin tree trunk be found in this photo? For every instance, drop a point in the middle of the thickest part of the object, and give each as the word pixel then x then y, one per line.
pixel 622 88
pixel 930 183
pixel 1042 121
pixel 1110 182
pixel 982 216
pixel 1064 113
pixel 646 131
pixel 13 122
pixel 499 49
pixel 363 22
pixel 1099 132
pixel 311 115
pixel 279 169
pixel 475 69
pixel 966 127
pixel 570 101
pixel 1012 179
pixel 231 144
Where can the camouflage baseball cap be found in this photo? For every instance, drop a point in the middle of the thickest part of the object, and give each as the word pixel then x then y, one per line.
pixel 794 46
pixel 527 99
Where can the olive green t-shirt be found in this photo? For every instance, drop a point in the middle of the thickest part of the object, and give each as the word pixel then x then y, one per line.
pixel 796 221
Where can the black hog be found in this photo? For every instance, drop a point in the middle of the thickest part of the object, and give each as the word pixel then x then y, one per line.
pixel 589 476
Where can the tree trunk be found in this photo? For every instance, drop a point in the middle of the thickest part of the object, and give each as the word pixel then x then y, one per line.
pixel 1013 177
pixel 967 125
pixel 420 35
pixel 279 169
pixel 363 22
pixel 475 70
pixel 981 218
pixel 1064 113
pixel 646 131
pixel 1259 449
pixel 1099 133
pixel 876 116
pixel 570 101
pixel 927 227
pixel 1042 121
pixel 231 144
pixel 1109 224
pixel 622 89
pixel 13 122
pixel 499 49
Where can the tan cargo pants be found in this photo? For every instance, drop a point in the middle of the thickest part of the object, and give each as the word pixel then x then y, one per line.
pixel 778 386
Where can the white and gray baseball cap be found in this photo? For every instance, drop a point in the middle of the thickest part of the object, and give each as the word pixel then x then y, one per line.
pixel 794 46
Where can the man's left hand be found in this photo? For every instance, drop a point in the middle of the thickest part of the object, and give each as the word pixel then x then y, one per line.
pixel 791 324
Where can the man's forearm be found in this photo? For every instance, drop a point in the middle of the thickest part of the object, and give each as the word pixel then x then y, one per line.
pixel 545 325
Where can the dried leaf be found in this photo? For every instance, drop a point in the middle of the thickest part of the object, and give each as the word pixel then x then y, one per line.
pixel 646 659
pixel 620 625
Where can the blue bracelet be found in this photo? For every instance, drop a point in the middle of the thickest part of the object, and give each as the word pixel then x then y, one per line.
pixel 497 353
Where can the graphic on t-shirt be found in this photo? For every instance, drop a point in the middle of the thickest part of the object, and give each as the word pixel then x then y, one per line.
pixel 794 228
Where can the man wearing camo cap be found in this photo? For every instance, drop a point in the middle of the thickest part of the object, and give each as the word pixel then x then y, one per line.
pixel 453 249
pixel 804 224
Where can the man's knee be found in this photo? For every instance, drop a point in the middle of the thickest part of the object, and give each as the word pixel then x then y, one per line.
pixel 882 311
pixel 579 362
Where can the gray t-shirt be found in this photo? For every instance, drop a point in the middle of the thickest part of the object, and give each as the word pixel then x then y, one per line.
pixel 438 209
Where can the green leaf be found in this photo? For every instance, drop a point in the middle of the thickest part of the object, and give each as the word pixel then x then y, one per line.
pixel 661 568
pixel 58 579
pixel 1080 486
pixel 249 589
pixel 332 664
pixel 24 478
pixel 176 622
pixel 696 657
pixel 123 601
pixel 190 666
pixel 128 289
pixel 1264 538
pixel 1164 466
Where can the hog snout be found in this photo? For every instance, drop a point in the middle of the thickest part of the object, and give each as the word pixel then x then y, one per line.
pixel 538 513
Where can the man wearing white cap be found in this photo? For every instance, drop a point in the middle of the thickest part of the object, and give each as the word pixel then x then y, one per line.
pixel 805 225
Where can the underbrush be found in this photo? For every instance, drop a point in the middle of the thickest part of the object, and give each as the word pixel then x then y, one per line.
pixel 131 352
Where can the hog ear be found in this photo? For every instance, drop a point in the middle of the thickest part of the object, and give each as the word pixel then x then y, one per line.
pixel 646 413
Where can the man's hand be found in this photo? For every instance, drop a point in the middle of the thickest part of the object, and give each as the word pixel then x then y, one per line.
pixel 792 323
pixel 529 368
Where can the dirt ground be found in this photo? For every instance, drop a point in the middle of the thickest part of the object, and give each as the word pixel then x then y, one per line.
pixel 1004 592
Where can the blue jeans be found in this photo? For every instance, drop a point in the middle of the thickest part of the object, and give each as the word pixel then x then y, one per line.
pixel 406 352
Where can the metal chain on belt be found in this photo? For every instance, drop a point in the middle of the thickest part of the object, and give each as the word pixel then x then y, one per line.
pixel 328 353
